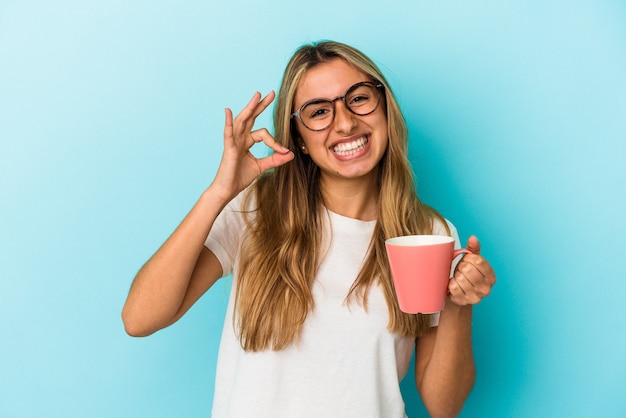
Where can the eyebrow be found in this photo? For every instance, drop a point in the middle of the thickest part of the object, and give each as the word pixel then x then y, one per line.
pixel 334 98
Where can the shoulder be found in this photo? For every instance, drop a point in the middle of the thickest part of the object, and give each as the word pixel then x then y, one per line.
pixel 442 226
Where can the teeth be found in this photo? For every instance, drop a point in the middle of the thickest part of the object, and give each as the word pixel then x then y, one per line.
pixel 350 148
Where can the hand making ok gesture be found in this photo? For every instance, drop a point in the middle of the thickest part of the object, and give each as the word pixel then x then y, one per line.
pixel 239 167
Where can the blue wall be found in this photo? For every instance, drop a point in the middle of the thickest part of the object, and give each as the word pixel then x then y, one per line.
pixel 111 116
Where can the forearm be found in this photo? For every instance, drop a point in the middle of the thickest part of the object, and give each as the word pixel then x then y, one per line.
pixel 160 286
pixel 449 375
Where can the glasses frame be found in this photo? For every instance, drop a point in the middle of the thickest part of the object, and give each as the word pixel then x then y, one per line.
pixel 332 101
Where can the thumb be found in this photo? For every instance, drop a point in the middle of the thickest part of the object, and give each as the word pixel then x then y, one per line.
pixel 473 244
pixel 275 159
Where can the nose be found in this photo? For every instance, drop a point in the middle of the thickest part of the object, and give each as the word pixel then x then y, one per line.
pixel 344 121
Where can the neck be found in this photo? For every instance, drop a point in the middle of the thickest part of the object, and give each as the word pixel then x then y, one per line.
pixel 353 198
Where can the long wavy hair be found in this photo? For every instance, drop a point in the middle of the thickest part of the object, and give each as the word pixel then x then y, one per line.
pixel 280 255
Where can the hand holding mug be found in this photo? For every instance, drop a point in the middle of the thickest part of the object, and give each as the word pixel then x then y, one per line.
pixel 473 277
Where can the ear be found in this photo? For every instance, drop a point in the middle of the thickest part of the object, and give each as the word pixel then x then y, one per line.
pixel 297 138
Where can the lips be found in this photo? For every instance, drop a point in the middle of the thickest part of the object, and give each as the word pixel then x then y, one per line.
pixel 345 149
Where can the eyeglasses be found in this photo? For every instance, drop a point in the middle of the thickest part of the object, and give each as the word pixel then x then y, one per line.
pixel 361 99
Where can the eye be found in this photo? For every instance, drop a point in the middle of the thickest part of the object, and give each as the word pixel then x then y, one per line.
pixel 360 95
pixel 358 100
pixel 317 110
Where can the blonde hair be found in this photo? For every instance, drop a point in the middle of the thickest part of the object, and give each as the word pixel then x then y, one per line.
pixel 281 253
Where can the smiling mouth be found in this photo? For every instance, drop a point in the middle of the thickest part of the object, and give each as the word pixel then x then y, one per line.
pixel 349 148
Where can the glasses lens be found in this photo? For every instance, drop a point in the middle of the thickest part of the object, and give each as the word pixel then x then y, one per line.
pixel 318 114
pixel 362 99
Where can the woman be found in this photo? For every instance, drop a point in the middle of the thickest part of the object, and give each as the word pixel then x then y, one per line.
pixel 313 327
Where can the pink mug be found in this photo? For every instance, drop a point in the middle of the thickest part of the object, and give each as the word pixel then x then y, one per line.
pixel 420 268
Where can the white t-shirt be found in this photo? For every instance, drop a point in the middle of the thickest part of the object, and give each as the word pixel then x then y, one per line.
pixel 346 364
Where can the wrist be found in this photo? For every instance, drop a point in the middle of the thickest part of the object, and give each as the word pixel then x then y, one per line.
pixel 217 195
pixel 452 309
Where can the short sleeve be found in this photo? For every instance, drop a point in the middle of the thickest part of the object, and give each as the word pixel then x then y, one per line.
pixel 225 236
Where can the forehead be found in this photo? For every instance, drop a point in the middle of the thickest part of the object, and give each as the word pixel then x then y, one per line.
pixel 328 79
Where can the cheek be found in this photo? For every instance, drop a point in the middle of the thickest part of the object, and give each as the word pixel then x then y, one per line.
pixel 382 129
pixel 312 139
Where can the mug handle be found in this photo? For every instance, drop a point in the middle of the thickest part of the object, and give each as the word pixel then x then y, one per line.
pixel 457 253
pixel 461 251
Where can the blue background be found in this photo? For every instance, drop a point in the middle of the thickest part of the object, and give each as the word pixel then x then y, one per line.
pixel 111 118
